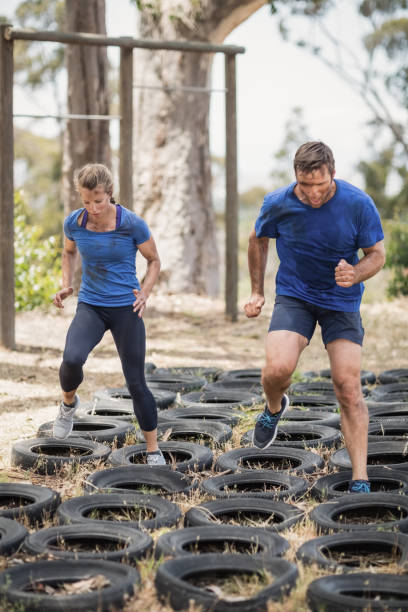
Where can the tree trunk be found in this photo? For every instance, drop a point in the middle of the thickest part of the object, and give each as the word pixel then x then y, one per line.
pixel 85 140
pixel 172 159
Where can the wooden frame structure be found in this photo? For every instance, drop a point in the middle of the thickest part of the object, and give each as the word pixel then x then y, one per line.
pixel 7 35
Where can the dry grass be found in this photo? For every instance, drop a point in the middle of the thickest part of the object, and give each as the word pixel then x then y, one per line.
pixel 181 330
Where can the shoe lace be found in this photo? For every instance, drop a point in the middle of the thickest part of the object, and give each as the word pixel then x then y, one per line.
pixel 267 420
pixel 360 486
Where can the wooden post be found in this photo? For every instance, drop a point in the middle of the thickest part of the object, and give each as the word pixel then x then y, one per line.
pixel 126 127
pixel 231 208
pixel 7 327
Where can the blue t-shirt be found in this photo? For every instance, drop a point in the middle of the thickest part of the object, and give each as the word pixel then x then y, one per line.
pixel 311 241
pixel 108 259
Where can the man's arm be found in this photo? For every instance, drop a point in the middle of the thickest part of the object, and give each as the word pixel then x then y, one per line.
pixel 347 275
pixel 257 258
pixel 69 255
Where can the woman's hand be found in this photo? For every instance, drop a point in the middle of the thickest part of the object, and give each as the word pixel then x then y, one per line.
pixel 139 304
pixel 62 294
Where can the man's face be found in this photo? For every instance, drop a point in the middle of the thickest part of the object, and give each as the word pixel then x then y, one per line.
pixel 316 187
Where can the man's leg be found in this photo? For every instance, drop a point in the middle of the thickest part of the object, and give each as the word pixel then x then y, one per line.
pixel 345 363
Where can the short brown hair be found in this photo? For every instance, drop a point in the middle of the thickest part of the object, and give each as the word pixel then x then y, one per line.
pixel 92 175
pixel 312 156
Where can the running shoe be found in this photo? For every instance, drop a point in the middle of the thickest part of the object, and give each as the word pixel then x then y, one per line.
pixel 64 422
pixel 359 486
pixel 266 426
pixel 156 458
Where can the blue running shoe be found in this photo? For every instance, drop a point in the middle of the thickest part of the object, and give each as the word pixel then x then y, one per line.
pixel 266 426
pixel 359 486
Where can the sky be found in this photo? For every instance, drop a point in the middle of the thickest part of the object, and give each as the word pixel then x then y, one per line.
pixel 273 76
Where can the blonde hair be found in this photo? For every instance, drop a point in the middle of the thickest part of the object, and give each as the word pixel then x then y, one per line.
pixel 92 175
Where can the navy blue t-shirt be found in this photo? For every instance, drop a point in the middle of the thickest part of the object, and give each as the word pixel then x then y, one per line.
pixel 311 241
pixel 108 259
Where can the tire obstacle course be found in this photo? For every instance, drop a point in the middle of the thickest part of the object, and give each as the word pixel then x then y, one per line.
pixel 231 506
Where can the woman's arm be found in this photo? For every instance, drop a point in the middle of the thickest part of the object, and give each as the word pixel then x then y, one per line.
pixel 149 251
pixel 69 256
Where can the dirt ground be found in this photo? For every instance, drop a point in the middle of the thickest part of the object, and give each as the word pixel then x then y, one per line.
pixel 182 330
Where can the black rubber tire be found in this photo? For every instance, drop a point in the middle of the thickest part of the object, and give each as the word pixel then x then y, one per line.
pixel 182 456
pixel 389 454
pixel 16 583
pixel 201 371
pixel 24 455
pixel 255 484
pixel 361 543
pixel 230 416
pixel 319 417
pixel 250 373
pixel 324 515
pixel 367 377
pixel 32 502
pixel 132 479
pixel 149 367
pixel 76 509
pixel 172 581
pixel 112 409
pixel 381 479
pixel 175 382
pixel 236 384
pixel 178 543
pixel 298 460
pixel 130 544
pixel 315 402
pixel 220 398
pixel 345 593
pixel 388 430
pixel 198 430
pixel 317 387
pixel 301 435
pixel 100 429
pixel 212 511
pixel 163 397
pixel 380 410
pixel 12 534
pixel 390 393
pixel 393 376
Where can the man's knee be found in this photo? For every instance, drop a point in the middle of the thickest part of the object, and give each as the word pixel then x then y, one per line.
pixel 348 392
pixel 277 374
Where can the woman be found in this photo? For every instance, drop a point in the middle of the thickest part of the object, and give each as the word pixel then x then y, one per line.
pixel 107 237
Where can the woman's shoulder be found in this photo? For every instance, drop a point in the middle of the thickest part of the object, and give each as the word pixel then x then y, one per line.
pixel 132 218
pixel 72 218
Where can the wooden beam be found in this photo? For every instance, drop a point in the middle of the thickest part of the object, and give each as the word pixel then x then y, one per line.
pixel 126 127
pixel 231 207
pixel 7 327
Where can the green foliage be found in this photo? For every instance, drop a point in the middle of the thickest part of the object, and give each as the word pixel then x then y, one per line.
pixel 397 258
pixel 253 197
pixel 37 262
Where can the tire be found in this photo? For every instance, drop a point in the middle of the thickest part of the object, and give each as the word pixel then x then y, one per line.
pixel 14 583
pixel 350 546
pixel 202 372
pixel 315 402
pixel 118 410
pixel 195 430
pixel 182 456
pixel 254 374
pixel 238 508
pixel 206 412
pixel 163 397
pixel 278 458
pixel 133 478
pixel 301 435
pixel 27 501
pixel 393 376
pixel 382 480
pixel 129 543
pixel 175 382
pixel 325 515
pixel 29 454
pixel 97 428
pixel 319 417
pixel 345 593
pixel 149 367
pixel 390 392
pixel 367 377
pixel 262 483
pixel 313 387
pixel 77 509
pixel 12 535
pixel 196 540
pixel 388 430
pixel 172 581
pixel 220 398
pixel 379 411
pixel 388 454
pixel 236 384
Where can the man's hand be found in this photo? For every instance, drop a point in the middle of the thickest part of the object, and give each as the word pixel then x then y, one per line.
pixel 62 294
pixel 254 306
pixel 139 304
pixel 345 274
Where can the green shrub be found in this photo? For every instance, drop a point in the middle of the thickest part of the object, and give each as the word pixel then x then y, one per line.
pixel 37 265
pixel 397 257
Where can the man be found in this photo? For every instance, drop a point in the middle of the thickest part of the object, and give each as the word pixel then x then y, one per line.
pixel 319 224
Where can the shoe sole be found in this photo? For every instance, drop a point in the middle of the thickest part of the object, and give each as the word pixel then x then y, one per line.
pixel 276 429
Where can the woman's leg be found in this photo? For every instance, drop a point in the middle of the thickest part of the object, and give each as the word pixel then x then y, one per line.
pixel 128 332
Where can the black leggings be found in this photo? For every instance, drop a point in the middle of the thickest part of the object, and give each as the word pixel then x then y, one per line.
pixel 128 331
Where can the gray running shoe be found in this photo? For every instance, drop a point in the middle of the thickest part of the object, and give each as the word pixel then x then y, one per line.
pixel 65 420
pixel 266 426
pixel 156 458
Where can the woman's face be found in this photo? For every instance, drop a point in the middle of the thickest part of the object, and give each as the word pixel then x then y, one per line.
pixel 96 201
